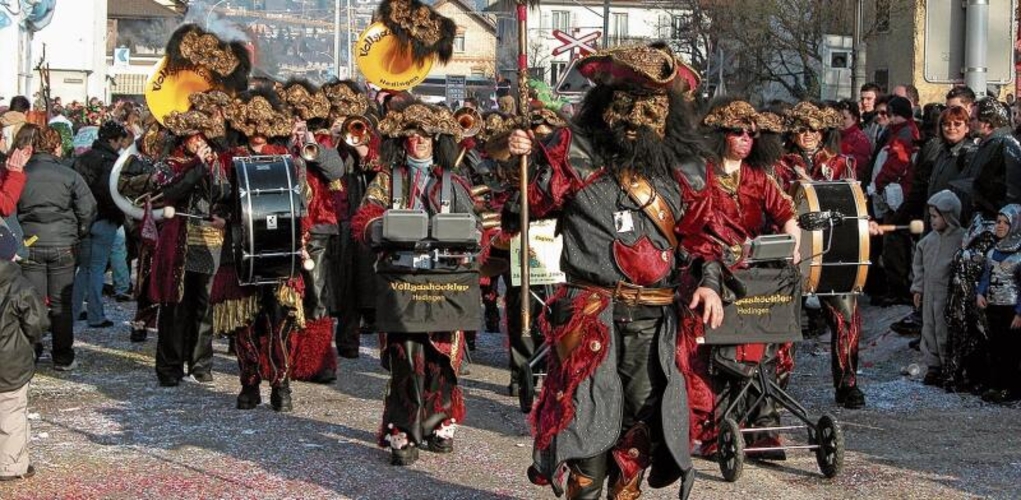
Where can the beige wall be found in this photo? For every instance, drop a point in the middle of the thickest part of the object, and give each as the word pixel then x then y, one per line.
pixel 902 51
pixel 479 45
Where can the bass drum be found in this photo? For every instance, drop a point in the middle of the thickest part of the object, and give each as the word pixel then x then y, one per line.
pixel 268 211
pixel 834 261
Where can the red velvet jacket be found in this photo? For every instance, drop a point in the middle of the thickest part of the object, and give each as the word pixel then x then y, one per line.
pixel 825 167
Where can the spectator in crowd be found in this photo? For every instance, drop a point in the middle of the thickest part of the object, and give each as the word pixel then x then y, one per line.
pixel 875 124
pixel 13 119
pixel 910 92
pixel 932 266
pixel 57 208
pixel 868 95
pixel 993 177
pixel 853 141
pixel 95 167
pixel 22 322
pixel 961 96
pixel 998 296
pixel 891 184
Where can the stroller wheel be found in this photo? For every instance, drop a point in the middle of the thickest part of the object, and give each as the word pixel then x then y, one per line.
pixel 730 450
pixel 526 388
pixel 830 453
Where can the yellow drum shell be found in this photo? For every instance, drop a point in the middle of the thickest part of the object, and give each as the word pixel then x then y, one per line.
pixel 385 62
pixel 165 92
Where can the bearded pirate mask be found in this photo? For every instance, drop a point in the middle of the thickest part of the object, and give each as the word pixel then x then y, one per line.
pixel 642 77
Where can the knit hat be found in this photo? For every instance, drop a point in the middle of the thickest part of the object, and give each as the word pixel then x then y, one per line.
pixel 8 244
pixel 900 106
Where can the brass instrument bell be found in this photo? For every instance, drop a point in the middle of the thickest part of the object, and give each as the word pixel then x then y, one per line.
pixel 310 151
pixel 357 130
pixel 469 120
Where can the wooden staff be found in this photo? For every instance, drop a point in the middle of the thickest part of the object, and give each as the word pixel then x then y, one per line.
pixel 526 297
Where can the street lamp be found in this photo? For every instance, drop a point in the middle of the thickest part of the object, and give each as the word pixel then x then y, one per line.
pixel 211 9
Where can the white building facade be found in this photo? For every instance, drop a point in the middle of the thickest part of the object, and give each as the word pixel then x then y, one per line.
pixel 75 41
pixel 630 22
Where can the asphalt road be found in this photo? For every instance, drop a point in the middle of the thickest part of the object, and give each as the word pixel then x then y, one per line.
pixel 108 431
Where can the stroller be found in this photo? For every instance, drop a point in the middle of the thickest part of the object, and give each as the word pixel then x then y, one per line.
pixel 769 312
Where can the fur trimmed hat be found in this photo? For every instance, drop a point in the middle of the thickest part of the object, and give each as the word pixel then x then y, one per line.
pixel 733 115
pixel 224 64
pixel 806 115
pixel 205 116
pixel 419 116
pixel 259 112
pixel 304 99
pixel 418 25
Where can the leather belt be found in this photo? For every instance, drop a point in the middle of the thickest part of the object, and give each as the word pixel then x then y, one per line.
pixel 629 293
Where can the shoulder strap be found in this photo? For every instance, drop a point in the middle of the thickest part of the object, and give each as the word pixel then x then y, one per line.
pixel 445 192
pixel 397 188
pixel 641 192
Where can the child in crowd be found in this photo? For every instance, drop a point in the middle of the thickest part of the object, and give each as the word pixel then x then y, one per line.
pixel 933 262
pixel 998 294
pixel 23 318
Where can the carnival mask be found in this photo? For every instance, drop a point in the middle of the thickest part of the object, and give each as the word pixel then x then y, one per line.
pixel 635 111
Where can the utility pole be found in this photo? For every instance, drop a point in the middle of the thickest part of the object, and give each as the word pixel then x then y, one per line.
pixel 336 38
pixel 858 59
pixel 976 47
pixel 350 43
pixel 606 24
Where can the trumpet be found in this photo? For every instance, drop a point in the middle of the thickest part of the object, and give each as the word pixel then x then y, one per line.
pixel 357 130
pixel 309 151
pixel 469 120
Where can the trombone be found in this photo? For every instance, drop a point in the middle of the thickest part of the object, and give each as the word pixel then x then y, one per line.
pixel 471 124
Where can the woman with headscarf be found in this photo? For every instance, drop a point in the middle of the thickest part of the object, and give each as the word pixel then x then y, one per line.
pixel 999 295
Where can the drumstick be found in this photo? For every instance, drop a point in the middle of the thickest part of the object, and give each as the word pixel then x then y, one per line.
pixel 916 227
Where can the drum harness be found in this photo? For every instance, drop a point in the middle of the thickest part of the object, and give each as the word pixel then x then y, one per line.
pixel 423 257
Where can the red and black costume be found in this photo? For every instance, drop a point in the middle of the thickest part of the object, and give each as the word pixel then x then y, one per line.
pixel 185 259
pixel 422 347
pixel 610 404
pixel 842 313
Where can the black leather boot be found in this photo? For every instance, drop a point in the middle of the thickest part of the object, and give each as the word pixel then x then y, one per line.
pixel 280 397
pixel 249 397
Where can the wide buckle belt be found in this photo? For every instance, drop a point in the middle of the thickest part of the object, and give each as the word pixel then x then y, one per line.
pixel 629 293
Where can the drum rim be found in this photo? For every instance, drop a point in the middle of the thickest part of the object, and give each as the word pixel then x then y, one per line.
pixel 812 280
pixel 811 197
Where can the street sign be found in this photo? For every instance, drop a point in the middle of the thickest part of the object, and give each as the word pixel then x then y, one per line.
pixel 572 82
pixel 584 44
pixel 945 22
pixel 457 88
pixel 121 57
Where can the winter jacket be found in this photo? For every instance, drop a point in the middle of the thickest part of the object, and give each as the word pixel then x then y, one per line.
pixel 23 319
pixel 993 177
pixel 854 143
pixel 934 254
pixel 936 165
pixel 56 204
pixel 95 166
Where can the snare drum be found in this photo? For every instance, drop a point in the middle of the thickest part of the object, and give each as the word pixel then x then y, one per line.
pixel 268 210
pixel 834 261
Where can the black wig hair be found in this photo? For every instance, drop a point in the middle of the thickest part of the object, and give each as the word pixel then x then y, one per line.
pixel 649 154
